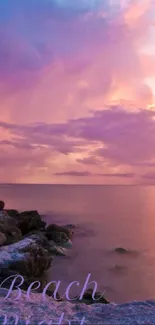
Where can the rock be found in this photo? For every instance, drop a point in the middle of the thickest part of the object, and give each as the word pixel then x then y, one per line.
pixel 57 250
pixel 88 299
pixel 55 228
pixel 36 312
pixel 6 222
pixel 121 250
pixel 2 239
pixel 13 213
pixel 68 244
pixel 40 239
pixel 29 220
pixel 8 226
pixel 13 235
pixel 28 257
pixel 58 237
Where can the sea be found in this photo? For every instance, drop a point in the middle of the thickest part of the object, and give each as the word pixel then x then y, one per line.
pixel 108 217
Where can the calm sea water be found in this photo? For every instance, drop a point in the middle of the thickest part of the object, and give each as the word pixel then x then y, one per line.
pixel 108 217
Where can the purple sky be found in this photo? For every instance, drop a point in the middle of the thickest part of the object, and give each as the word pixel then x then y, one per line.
pixel 77 84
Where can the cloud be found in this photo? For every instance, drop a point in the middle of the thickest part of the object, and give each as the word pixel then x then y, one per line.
pixel 122 136
pixel 86 173
pixel 149 176
pixel 92 160
pixel 74 173
pixel 119 175
pixel 64 64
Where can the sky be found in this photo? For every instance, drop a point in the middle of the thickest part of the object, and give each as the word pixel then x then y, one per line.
pixel 77 91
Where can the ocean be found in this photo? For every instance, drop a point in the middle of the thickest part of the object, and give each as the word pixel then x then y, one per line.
pixel 107 217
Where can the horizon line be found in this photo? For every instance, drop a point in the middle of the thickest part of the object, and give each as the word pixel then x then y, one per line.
pixel 76 184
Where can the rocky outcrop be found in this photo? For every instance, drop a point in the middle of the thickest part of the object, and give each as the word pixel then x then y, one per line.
pixel 28 257
pixel 8 226
pixel 30 220
pixel 35 311
pixel 55 228
pixel 27 220
pixel 27 247
pixel 58 234
pixel 2 239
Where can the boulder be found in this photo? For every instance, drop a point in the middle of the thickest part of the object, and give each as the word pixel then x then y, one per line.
pixel 67 244
pixel 8 226
pixel 13 235
pixel 57 250
pixel 58 234
pixel 40 239
pixel 2 239
pixel 121 250
pixel 29 220
pixel 6 222
pixel 13 213
pixel 28 258
pixel 58 237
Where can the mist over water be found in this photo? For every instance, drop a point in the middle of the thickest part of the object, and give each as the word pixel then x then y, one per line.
pixel 108 217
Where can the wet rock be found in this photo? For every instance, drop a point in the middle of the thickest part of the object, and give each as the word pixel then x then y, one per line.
pixel 53 228
pixel 57 250
pixel 28 257
pixel 58 237
pixel 68 244
pixel 13 235
pixel 2 239
pixel 99 297
pixel 13 213
pixel 8 226
pixel 30 220
pixel 36 312
pixel 6 222
pixel 121 250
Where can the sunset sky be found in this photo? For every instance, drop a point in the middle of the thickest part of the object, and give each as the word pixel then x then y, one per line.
pixel 77 91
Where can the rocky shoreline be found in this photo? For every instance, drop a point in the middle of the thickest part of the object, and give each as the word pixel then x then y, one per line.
pixel 27 248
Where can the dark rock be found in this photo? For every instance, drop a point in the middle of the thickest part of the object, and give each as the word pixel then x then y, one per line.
pixel 55 228
pixel 29 220
pixel 57 250
pixel 58 237
pixel 121 250
pixel 28 257
pixel 8 226
pixel 13 235
pixel 2 239
pixel 58 234
pixel 13 213
pixel 40 239
pixel 88 299
pixel 6 222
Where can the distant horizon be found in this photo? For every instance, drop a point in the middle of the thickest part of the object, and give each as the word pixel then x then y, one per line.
pixel 136 184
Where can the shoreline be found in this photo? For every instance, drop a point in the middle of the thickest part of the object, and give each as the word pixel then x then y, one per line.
pixel 29 252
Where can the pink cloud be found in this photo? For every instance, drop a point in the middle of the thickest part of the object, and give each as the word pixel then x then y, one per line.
pixel 60 68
